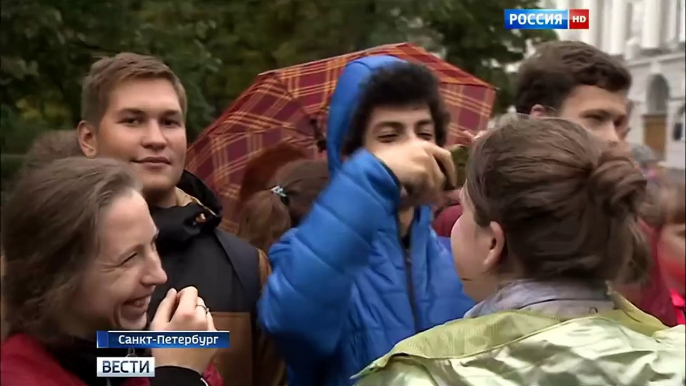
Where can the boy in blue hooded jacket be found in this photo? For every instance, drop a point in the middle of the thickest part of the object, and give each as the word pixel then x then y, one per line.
pixel 364 270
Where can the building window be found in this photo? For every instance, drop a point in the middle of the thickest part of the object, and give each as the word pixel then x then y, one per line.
pixel 678 132
pixel 679 125
pixel 658 95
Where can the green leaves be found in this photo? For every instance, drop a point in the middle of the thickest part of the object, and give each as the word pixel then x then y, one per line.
pixel 218 47
pixel 17 68
pixel 476 40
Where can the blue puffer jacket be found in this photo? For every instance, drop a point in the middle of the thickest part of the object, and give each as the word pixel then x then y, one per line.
pixel 343 290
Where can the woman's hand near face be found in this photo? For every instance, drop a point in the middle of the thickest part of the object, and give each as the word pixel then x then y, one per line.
pixel 190 315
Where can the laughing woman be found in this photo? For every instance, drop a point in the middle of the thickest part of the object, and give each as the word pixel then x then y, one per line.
pixel 80 256
pixel 550 216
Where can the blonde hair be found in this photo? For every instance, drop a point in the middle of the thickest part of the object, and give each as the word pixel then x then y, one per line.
pixel 107 73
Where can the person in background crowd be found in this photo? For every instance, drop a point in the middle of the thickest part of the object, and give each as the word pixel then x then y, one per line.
pixel 550 215
pixel 668 220
pixel 134 110
pixel 450 209
pixel 647 161
pixel 445 217
pixel 578 82
pixel 269 213
pixel 364 269
pixel 447 213
pixel 50 146
pixel 260 171
pixel 575 81
pixel 80 257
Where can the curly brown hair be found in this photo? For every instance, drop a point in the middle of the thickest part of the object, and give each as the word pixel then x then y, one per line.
pixel 567 202
pixel 398 85
pixel 556 68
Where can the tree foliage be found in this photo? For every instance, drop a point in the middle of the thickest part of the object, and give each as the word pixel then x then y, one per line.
pixel 218 47
pixel 474 38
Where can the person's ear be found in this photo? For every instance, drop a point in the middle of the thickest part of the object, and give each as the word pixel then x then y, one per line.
pixel 497 246
pixel 88 140
pixel 538 111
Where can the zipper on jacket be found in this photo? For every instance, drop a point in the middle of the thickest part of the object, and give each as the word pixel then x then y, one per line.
pixel 410 287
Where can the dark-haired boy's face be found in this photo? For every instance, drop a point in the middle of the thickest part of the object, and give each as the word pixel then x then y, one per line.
pixel 389 126
pixel 601 111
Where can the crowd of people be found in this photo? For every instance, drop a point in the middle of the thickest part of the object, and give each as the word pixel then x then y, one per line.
pixel 555 262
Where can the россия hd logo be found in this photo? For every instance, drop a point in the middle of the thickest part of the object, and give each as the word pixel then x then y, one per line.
pixel 547 18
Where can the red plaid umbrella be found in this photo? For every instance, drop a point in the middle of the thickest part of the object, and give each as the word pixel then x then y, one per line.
pixel 291 105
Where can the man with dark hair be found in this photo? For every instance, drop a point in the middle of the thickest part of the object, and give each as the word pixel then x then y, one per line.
pixel 364 269
pixel 578 82
pixel 575 81
pixel 134 109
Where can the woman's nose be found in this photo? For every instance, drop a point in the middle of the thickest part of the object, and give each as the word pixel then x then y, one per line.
pixel 155 274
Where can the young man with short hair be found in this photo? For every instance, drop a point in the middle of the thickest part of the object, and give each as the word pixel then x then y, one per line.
pixel 578 82
pixel 364 269
pixel 575 81
pixel 134 109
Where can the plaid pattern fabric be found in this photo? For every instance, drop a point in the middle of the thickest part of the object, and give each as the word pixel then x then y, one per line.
pixel 291 105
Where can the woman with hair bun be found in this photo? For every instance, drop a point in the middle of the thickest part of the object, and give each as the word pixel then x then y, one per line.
pixel 550 217
pixel 269 213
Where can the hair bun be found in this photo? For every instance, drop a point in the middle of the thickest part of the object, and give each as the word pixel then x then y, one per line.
pixel 616 183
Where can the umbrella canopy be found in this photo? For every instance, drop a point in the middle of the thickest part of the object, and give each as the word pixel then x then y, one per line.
pixel 291 105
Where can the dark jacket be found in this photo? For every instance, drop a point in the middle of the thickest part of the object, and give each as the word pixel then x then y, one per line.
pixel 227 272
pixel 25 362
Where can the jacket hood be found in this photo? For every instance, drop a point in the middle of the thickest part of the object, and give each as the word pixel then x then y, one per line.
pixel 344 101
pixel 194 187
pixel 198 211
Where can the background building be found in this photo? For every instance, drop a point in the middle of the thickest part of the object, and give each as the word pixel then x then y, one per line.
pixel 649 35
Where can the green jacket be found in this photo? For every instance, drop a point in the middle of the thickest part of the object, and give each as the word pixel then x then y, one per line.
pixel 516 348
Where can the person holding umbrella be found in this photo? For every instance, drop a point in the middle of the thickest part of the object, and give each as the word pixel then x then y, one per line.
pixel 364 269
